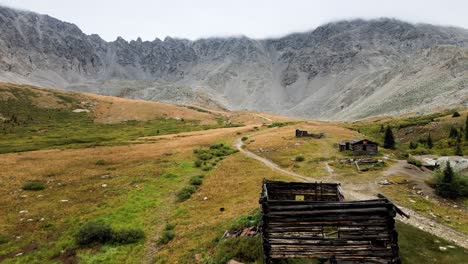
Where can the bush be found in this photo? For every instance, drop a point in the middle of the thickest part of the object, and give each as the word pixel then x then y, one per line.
pixel 252 219
pixel 127 236
pixel 167 235
pixel 101 162
pixel 456 114
pixel 244 249
pixel 3 239
pixel 198 163
pixel 34 186
pixel 413 145
pixel 196 180
pixel 205 156
pixel 299 158
pixel 186 193
pixel 94 233
pixel 244 138
pixel 207 168
pixel 414 161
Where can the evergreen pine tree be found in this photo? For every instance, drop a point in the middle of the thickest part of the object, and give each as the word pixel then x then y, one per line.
pixel 466 129
pixel 458 149
pixel 429 141
pixel 389 140
pixel 448 174
pixel 453 132
pixel 382 129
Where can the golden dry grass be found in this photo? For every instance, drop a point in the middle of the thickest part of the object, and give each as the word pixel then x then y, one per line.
pixel 234 185
pixel 73 175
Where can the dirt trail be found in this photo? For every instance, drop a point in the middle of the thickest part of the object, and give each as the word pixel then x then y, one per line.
pixel 417 175
pixel 361 192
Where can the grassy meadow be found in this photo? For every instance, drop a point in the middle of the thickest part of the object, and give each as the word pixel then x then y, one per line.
pixel 169 171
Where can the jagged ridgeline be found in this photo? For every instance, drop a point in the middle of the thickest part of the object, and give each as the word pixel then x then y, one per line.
pixel 343 70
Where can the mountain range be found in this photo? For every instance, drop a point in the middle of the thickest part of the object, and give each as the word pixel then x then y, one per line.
pixel 341 70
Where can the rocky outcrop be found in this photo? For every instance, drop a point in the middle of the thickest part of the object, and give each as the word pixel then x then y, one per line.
pixel 343 70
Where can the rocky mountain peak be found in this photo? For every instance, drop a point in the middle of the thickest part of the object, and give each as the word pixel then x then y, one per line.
pixel 340 70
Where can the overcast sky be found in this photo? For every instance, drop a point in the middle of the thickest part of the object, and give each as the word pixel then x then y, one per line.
pixel 194 19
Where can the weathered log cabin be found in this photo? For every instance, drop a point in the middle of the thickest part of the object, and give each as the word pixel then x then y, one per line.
pixel 303 133
pixel 360 147
pixel 312 220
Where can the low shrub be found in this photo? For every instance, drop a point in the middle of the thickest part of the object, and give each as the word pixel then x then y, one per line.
pixel 101 233
pixel 186 193
pixel 205 156
pixel 252 219
pixel 299 158
pixel 127 236
pixel 101 162
pixel 34 186
pixel 456 114
pixel 207 168
pixel 280 124
pixel 196 180
pixel 414 161
pixel 94 233
pixel 244 249
pixel 244 138
pixel 167 235
pixel 198 163
pixel 413 145
pixel 4 239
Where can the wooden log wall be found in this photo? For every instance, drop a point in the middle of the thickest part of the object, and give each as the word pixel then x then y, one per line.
pixel 343 232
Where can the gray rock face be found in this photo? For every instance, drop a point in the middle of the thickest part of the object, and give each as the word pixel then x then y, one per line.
pixel 344 70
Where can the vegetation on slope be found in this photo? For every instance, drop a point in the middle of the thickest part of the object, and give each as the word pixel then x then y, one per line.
pixel 25 126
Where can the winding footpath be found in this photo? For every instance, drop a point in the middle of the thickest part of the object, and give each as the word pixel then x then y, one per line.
pixel 415 219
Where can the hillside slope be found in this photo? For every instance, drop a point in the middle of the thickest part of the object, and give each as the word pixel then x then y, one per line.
pixel 343 70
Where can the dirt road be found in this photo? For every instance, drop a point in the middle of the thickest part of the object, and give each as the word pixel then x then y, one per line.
pixel 353 192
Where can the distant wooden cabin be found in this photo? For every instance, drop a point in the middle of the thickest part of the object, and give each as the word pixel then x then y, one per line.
pixel 312 220
pixel 303 133
pixel 360 147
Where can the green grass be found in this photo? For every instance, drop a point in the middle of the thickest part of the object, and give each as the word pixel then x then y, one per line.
pixel 37 128
pixel 417 246
pixel 140 201
pixel 281 124
pixel 416 129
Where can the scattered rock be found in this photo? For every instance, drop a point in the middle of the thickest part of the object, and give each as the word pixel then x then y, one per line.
pixel 81 110
pixel 63 201
pixel 385 182
pixel 205 198
pixel 234 262
pixel 23 211
pixel 412 201
pixel 19 254
pixel 104 185
pixel 30 220
pixel 450 246
pixel 442 248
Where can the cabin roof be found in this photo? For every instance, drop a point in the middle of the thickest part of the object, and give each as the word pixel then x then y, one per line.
pixel 355 141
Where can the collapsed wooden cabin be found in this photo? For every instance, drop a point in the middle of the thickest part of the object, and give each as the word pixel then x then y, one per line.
pixel 360 147
pixel 312 220
pixel 303 133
